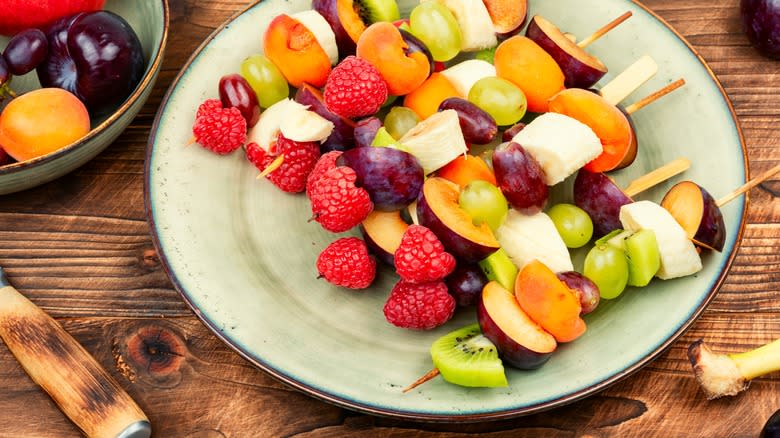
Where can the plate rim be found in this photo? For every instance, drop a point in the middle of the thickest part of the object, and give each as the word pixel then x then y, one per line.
pixel 365 408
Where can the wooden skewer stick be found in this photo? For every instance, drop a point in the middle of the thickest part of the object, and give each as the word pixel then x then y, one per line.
pixel 749 185
pixel 631 109
pixel 657 176
pixel 603 31
pixel 629 80
pixel 428 376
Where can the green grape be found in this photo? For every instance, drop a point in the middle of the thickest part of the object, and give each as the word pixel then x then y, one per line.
pixel 499 98
pixel 488 55
pixel 607 266
pixel 266 79
pixel 484 202
pixel 573 224
pixel 435 26
pixel 400 120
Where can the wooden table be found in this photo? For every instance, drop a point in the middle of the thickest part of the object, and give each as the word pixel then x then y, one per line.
pixel 80 248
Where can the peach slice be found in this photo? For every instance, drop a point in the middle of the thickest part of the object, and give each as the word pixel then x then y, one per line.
pixel 295 51
pixel 549 302
pixel 525 64
pixel 698 213
pixel 609 123
pixel 42 121
pixel 506 15
pixel 383 47
pixel 466 169
pixel 383 232
pixel 425 100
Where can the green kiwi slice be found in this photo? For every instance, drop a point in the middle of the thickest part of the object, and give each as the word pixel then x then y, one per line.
pixel 467 358
pixel 643 256
pixel 374 11
pixel 499 267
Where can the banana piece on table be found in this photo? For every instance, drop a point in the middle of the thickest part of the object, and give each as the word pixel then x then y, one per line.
pixel 464 75
pixel 322 32
pixel 679 257
pixel 528 238
pixel 562 145
pixel 436 140
pixel 475 24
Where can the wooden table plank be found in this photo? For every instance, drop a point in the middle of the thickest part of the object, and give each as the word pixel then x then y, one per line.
pixel 80 248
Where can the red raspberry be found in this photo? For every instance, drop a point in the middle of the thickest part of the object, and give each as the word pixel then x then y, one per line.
pixel 326 162
pixel 355 88
pixel 346 263
pixel 421 257
pixel 299 160
pixel 336 203
pixel 419 306
pixel 220 130
pixel 209 106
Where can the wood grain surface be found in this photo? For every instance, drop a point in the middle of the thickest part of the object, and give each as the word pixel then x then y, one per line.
pixel 79 247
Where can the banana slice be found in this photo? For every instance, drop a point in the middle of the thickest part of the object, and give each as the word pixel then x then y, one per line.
pixel 678 255
pixel 306 126
pixel 322 32
pixel 436 140
pixel 464 75
pixel 476 27
pixel 266 130
pixel 561 145
pixel 528 238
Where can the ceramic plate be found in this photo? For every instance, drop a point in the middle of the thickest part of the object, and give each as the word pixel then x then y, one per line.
pixel 242 253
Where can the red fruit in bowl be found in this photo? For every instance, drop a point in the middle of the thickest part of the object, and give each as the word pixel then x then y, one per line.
pixel 355 89
pixel 17 15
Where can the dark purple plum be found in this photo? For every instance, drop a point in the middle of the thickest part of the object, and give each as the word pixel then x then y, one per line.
pixel 96 56
pixel 329 10
pixel 25 51
pixel 771 428
pixel 520 178
pixel 392 178
pixel 478 126
pixel 235 92
pixel 365 131
pixel 761 22
pixel 343 136
pixel 415 45
pixel 512 131
pixel 5 78
pixel 698 213
pixel 587 290
pixel 466 283
pixel 601 198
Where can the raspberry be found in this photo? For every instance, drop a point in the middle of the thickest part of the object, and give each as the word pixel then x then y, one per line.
pixel 355 88
pixel 419 306
pixel 326 162
pixel 346 263
pixel 299 160
pixel 209 106
pixel 336 203
pixel 220 130
pixel 421 257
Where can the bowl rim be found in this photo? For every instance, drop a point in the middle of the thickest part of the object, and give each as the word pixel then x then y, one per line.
pixel 152 70
pixel 365 408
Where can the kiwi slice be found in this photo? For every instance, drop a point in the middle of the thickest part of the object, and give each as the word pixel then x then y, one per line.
pixel 643 256
pixel 615 238
pixel 373 11
pixel 467 358
pixel 499 267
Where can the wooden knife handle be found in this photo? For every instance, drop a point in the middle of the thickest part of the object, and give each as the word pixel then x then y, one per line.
pixel 82 389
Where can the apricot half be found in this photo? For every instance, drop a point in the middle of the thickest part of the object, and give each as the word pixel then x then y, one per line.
pixel 294 49
pixel 426 98
pixel 606 120
pixel 42 121
pixel 525 64
pixel 383 47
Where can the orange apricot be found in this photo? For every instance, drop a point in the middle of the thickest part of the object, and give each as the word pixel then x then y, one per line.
pixel 466 169
pixel 382 45
pixel 606 120
pixel 549 302
pixel 295 51
pixel 425 100
pixel 42 121
pixel 525 64
pixel 350 20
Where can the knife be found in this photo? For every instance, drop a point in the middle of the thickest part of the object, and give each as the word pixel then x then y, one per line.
pixel 82 389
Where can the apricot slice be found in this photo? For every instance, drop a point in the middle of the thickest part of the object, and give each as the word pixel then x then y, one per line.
pixel 425 100
pixel 525 64
pixel 549 302
pixel 466 169
pixel 383 47
pixel 42 121
pixel 606 120
pixel 295 51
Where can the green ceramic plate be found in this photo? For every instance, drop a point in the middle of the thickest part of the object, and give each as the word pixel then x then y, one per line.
pixel 242 253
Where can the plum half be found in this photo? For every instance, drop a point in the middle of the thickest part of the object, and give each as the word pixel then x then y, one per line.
pixel 383 231
pixel 698 213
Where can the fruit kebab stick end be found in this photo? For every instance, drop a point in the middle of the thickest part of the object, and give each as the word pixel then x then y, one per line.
pixel 749 185
pixel 275 164
pixel 604 30
pixel 428 376
pixel 657 176
pixel 631 109
pixel 633 77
